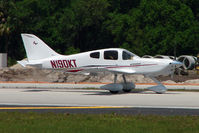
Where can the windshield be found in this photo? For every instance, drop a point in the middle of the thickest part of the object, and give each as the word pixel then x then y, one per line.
pixel 126 55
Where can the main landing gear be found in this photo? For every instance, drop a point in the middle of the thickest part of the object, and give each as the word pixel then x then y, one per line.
pixel 115 87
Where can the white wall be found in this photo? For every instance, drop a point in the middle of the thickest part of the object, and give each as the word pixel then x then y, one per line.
pixel 3 60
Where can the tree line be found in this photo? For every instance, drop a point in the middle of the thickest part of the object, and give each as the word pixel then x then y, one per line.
pixel 151 27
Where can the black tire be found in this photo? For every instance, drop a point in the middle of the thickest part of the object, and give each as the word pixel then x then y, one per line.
pixel 129 90
pixel 158 92
pixel 114 92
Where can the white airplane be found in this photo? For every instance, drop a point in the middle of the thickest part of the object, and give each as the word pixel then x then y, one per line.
pixel 114 60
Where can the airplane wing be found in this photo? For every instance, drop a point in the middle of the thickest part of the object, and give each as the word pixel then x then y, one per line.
pixel 113 69
pixel 23 62
pixel 123 70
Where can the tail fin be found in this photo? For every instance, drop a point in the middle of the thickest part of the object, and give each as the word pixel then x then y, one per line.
pixel 36 48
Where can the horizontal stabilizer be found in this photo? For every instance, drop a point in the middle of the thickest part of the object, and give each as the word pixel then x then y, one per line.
pixel 23 63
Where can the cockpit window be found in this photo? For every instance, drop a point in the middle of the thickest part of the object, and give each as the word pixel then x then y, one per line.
pixel 127 55
pixel 95 55
pixel 111 55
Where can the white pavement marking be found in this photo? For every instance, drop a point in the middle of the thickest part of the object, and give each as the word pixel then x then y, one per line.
pixel 81 97
pixel 48 85
pixel 71 86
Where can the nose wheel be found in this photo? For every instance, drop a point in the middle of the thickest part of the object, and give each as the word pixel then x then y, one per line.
pixel 114 92
pixel 159 89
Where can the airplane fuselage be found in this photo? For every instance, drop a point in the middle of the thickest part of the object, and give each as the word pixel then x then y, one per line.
pixel 85 61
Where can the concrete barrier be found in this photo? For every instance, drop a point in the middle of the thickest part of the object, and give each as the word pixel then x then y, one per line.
pixel 3 60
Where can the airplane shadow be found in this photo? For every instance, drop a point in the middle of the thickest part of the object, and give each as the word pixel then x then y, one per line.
pixel 36 90
pixel 132 92
pixel 98 92
pixel 110 94
pixel 102 92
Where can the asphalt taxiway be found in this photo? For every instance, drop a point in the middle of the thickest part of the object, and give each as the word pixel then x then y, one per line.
pixel 98 101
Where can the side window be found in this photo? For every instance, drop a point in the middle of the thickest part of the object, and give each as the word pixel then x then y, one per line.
pixel 95 55
pixel 126 56
pixel 111 55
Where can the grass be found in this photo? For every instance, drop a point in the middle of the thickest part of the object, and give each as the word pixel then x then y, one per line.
pixel 185 90
pixel 16 122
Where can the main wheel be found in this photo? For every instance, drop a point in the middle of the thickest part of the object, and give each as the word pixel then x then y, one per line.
pixel 125 90
pixel 114 92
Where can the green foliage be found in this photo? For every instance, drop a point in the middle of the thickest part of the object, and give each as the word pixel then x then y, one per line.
pixel 72 50
pixel 166 25
pixel 11 61
pixel 141 26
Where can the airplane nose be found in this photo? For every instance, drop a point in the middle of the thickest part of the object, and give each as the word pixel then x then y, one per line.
pixel 176 63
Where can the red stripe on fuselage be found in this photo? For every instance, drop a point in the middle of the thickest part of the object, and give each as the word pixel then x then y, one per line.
pixel 74 70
